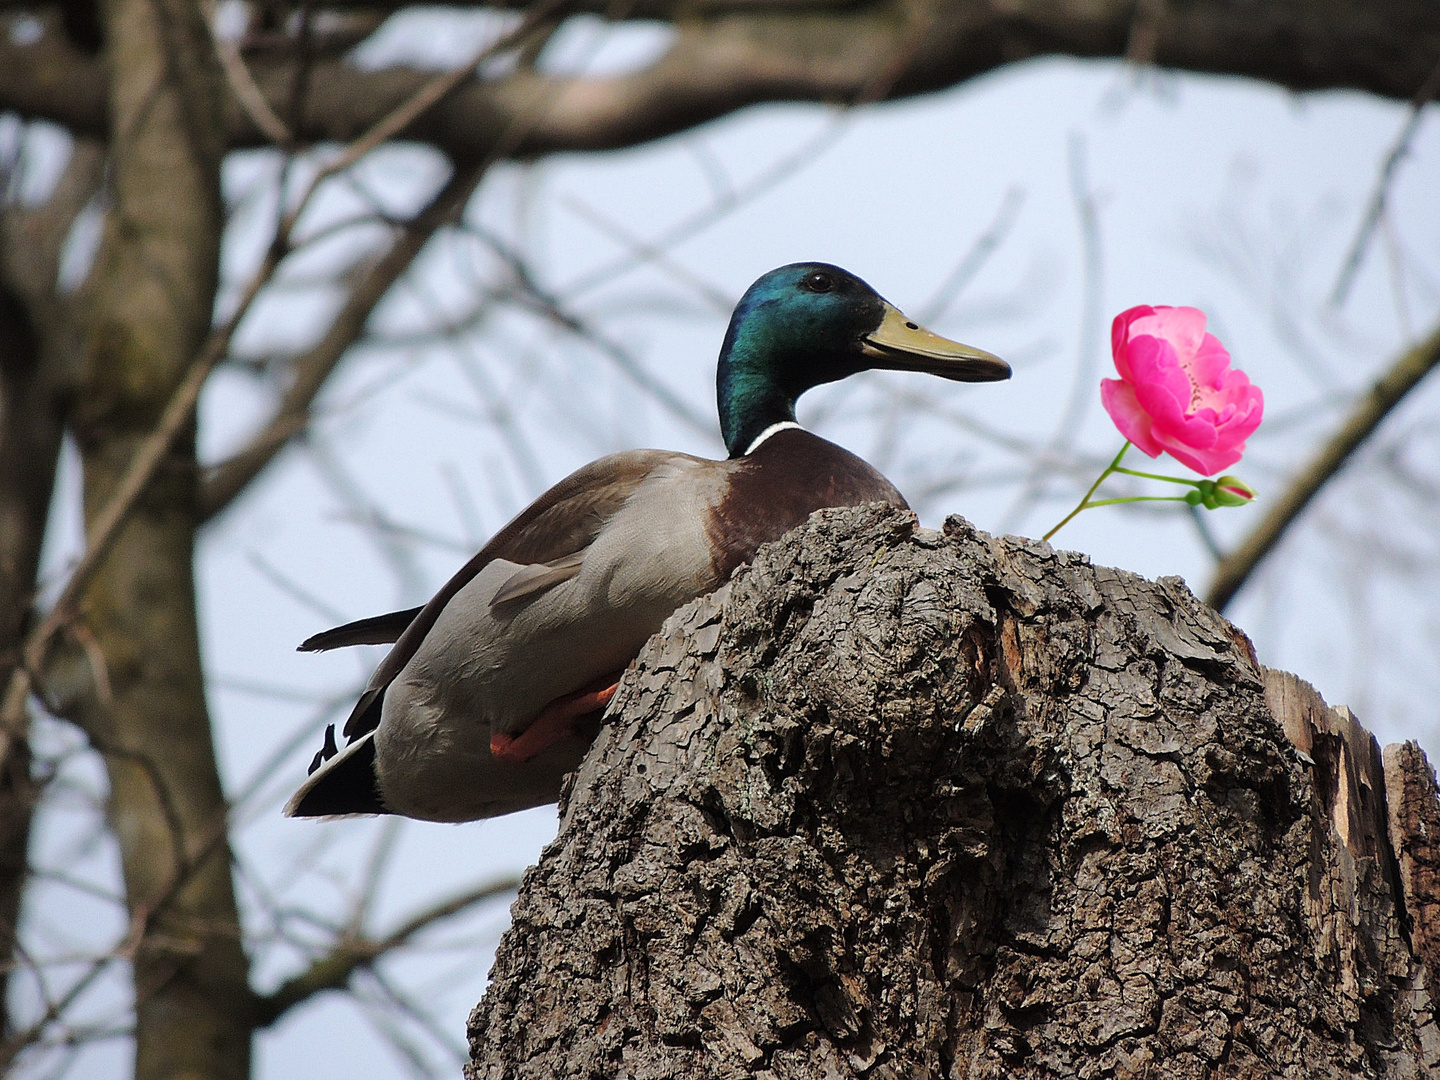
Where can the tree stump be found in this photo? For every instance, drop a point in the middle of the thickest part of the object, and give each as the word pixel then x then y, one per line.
pixel 899 803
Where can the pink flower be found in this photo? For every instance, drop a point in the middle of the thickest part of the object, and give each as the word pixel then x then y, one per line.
pixel 1177 393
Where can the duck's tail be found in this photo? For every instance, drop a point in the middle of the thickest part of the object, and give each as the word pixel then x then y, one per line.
pixel 341 783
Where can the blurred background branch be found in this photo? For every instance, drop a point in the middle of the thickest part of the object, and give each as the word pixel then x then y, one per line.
pixel 1282 511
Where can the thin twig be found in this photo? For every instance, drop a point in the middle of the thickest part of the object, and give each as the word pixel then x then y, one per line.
pixel 1368 413
pixel 419 1017
pixel 535 296
pixel 971 262
pixel 231 477
pixel 293 589
pixel 807 154
pixel 106 526
pixel 223 482
pixel 374 876
pixel 237 74
pixel 1376 208
pixel 495 402
pixel 333 970
pixel 426 98
pixel 645 252
pixel 1082 382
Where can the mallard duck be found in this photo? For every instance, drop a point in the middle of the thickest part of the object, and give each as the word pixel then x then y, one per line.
pixel 493 689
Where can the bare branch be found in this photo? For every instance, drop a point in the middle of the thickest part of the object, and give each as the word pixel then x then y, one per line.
pixel 970 264
pixel 727 200
pixel 1376 209
pixel 531 293
pixel 644 252
pixel 37 376
pixel 105 526
pixel 242 83
pixel 1082 382
pixel 333 971
pixel 795 51
pixel 1407 372
pixel 223 482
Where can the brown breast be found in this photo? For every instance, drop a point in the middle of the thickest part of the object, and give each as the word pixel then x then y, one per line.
pixel 790 476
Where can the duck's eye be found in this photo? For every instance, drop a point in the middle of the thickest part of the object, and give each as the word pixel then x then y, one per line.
pixel 819 281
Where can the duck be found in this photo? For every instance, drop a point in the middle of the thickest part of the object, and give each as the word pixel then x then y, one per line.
pixel 493 690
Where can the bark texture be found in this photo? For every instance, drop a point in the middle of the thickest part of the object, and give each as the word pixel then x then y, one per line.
pixel 904 803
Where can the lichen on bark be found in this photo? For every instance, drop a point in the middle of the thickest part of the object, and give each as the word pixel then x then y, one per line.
pixel 906 803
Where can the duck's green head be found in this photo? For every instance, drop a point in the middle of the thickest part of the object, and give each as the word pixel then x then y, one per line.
pixel 812 323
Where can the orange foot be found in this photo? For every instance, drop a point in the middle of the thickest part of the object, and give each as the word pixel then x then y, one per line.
pixel 555 722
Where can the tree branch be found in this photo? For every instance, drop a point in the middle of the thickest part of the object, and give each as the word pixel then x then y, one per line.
pixel 333 970
pixel 36 388
pixel 739 55
pixel 104 527
pixel 1376 208
pixel 1235 569
pixel 225 481
pixel 242 83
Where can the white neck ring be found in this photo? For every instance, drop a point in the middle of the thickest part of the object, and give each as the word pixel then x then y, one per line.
pixel 771 430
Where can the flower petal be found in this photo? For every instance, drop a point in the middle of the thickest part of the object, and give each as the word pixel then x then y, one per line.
pixel 1182 327
pixel 1244 407
pixel 1120 335
pixel 1210 364
pixel 1134 422
pixel 1164 391
pixel 1207 460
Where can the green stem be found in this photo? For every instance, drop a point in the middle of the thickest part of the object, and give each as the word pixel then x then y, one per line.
pixel 1086 500
pixel 1157 476
pixel 1138 498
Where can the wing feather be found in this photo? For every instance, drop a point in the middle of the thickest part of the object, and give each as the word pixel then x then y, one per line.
pixel 558 525
pixel 537 577
pixel 376 630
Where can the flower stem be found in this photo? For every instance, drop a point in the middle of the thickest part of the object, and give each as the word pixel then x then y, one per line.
pixel 1085 502
pixel 1154 476
pixel 1137 498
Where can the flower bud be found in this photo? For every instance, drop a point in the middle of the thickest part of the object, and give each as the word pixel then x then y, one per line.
pixel 1232 491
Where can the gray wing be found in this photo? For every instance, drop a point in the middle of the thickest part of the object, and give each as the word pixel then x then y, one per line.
pixel 550 534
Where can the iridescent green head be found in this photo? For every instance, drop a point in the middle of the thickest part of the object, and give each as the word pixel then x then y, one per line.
pixel 812 323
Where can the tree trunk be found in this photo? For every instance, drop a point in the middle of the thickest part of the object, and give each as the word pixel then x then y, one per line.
pixel 154 286
pixel 901 803
pixel 37 387
pixel 32 419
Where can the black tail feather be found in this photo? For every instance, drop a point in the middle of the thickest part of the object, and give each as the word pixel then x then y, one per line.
pixel 376 630
pixel 343 784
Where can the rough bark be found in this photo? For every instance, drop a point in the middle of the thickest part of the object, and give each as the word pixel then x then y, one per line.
pixel 904 803
pixel 154 288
